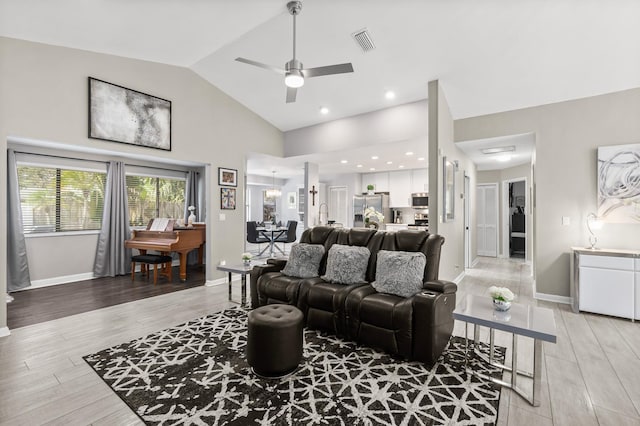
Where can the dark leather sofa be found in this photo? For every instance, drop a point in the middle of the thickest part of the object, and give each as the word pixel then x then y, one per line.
pixel 416 328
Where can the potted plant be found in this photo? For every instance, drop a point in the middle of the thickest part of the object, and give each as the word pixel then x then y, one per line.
pixel 502 297
pixel 246 258
pixel 370 189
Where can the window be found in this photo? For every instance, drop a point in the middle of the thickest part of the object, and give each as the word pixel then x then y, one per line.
pixel 152 197
pixel 60 199
pixel 268 207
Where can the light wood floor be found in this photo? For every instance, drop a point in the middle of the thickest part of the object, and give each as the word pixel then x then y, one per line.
pixel 591 376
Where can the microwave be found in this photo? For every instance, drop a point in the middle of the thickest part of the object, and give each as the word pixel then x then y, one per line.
pixel 420 200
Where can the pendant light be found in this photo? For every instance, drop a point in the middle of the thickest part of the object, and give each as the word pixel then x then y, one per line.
pixel 273 192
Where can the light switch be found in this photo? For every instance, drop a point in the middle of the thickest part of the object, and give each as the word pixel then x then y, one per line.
pixel 566 221
pixel 222 217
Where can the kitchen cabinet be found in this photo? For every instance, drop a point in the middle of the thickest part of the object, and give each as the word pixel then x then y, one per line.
pixel 399 189
pixel 393 227
pixel 419 180
pixel 379 180
pixel 606 282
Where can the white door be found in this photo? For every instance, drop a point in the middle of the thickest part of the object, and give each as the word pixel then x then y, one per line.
pixel 338 207
pixel 467 223
pixel 487 214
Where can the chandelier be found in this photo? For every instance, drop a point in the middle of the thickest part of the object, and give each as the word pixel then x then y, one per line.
pixel 273 192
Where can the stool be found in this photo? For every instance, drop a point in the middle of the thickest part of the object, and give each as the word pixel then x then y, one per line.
pixel 152 259
pixel 274 340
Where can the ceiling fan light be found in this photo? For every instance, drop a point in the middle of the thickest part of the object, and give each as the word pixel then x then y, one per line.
pixel 294 79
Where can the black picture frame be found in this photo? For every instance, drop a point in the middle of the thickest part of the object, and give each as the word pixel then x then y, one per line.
pixel 227 177
pixel 123 115
pixel 227 198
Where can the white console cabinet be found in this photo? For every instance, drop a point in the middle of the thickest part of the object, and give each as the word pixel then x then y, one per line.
pixel 606 282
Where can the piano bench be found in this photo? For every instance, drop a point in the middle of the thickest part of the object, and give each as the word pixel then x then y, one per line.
pixel 152 259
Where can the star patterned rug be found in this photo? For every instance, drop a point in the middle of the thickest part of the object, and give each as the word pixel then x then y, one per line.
pixel 196 374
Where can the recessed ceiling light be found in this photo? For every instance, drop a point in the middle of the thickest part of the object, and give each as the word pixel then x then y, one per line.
pixel 324 110
pixel 408 153
pixel 344 161
pixel 503 158
pixel 389 162
pixel 401 166
pixel 359 166
pixel 420 158
pixel 374 157
pixel 390 94
pixel 372 168
pixel 499 149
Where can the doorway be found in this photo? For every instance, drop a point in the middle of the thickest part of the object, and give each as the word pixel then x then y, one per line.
pixel 514 231
pixel 467 222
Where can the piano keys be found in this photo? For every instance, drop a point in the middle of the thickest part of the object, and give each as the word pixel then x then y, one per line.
pixel 181 241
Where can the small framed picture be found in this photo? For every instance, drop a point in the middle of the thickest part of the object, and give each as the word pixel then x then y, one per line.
pixel 292 200
pixel 228 198
pixel 227 177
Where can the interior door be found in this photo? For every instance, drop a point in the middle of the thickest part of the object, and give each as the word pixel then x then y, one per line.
pixel 467 223
pixel 338 209
pixel 487 214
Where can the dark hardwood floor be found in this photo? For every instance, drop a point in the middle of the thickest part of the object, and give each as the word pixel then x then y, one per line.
pixel 49 303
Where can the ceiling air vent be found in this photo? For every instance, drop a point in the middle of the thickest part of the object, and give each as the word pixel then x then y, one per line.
pixel 363 38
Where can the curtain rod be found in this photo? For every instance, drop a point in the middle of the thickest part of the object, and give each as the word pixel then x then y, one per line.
pixel 98 161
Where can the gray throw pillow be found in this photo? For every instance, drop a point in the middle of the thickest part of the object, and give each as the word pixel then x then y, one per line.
pixel 347 264
pixel 399 272
pixel 304 260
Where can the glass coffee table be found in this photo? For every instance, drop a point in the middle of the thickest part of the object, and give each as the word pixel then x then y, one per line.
pixel 521 320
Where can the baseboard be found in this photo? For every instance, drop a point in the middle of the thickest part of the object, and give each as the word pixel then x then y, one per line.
pixel 553 298
pixel 4 331
pixel 212 283
pixel 459 277
pixel 59 280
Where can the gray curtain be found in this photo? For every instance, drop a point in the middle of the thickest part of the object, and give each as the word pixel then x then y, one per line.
pixel 112 258
pixel 17 264
pixel 191 196
pixel 191 199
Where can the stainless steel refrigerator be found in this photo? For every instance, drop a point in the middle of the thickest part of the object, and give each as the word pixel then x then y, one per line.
pixel 378 201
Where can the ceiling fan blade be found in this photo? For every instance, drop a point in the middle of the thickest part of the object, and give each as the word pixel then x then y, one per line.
pixel 261 65
pixel 328 70
pixel 291 94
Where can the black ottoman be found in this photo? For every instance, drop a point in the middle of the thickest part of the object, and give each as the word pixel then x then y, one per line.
pixel 274 340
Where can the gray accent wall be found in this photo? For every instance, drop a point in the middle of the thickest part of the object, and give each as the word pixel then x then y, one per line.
pixel 567 137
pixel 45 98
pixel 441 144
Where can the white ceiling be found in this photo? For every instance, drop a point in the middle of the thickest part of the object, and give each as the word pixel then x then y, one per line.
pixel 490 55
pixel 523 148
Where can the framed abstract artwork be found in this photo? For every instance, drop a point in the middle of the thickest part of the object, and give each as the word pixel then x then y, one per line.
pixel 228 198
pixel 619 183
pixel 118 114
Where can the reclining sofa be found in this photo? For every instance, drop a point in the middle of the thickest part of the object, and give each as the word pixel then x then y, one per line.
pixel 415 327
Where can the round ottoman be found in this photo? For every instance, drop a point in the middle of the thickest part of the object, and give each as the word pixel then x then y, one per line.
pixel 274 340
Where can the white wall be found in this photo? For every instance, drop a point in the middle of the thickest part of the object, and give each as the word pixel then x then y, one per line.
pixel 567 137
pixel 44 97
pixel 404 122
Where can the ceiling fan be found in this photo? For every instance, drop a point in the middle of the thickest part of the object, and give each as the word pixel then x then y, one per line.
pixel 294 73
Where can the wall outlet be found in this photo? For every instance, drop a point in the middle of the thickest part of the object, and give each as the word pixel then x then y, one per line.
pixel 222 217
pixel 566 221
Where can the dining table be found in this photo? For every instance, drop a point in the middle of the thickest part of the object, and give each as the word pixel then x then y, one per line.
pixel 271 234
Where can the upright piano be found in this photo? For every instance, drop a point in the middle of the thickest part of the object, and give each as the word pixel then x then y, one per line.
pixel 170 239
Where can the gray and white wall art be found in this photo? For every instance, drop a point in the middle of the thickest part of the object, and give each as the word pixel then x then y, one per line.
pixel 123 115
pixel 619 183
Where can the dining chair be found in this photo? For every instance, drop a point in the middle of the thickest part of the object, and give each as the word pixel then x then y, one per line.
pixel 290 236
pixel 253 236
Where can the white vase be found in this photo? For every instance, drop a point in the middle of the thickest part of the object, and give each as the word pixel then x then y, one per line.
pixel 501 305
pixel 191 219
pixel 246 262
